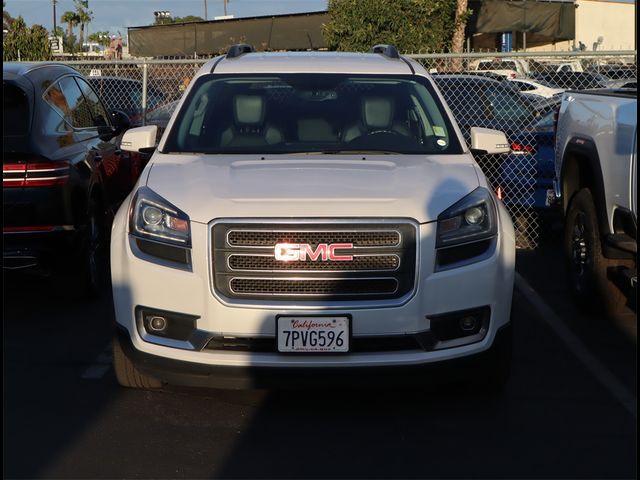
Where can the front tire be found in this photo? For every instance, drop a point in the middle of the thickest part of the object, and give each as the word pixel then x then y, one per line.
pixel 585 263
pixel 126 372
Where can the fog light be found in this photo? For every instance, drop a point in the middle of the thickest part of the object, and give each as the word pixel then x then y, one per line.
pixel 468 323
pixel 157 324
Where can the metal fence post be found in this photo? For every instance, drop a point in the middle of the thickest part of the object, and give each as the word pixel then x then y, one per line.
pixel 145 79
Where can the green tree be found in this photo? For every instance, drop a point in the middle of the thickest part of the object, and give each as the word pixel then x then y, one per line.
pixel 72 20
pixel 410 25
pixel 101 38
pixel 24 43
pixel 84 16
pixel 169 20
pixel 7 19
pixel 187 19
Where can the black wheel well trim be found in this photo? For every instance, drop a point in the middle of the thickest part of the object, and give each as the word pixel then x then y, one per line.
pixel 584 159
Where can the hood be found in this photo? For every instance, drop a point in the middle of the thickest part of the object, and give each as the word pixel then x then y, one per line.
pixel 206 187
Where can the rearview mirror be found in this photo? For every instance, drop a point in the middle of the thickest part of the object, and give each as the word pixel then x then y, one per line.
pixel 140 139
pixel 486 141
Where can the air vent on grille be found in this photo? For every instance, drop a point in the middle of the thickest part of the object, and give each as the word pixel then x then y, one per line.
pixel 243 238
pixel 311 287
pixel 268 262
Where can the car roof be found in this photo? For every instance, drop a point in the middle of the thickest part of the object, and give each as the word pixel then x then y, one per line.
pixel 469 78
pixel 30 68
pixel 311 62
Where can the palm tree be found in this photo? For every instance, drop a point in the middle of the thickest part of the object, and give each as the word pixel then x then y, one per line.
pixel 72 20
pixel 457 41
pixel 84 16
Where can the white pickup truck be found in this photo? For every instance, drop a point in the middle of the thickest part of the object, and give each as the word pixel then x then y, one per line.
pixel 596 180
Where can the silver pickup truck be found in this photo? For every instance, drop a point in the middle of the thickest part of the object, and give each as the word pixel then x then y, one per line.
pixel 596 181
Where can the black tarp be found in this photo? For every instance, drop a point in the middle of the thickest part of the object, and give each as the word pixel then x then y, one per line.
pixel 551 20
pixel 282 32
pixel 546 21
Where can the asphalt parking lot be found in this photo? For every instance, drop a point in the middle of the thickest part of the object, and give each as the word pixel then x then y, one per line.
pixel 569 410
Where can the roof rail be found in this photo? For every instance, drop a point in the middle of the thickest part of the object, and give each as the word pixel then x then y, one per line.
pixel 239 49
pixel 387 50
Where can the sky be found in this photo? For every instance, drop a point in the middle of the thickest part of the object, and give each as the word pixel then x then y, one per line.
pixel 116 15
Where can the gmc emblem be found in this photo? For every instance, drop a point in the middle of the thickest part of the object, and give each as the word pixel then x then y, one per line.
pixel 291 252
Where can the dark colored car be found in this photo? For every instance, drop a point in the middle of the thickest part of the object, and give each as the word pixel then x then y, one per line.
pixel 573 80
pixel 616 72
pixel 125 95
pixel 531 164
pixel 483 102
pixel 63 170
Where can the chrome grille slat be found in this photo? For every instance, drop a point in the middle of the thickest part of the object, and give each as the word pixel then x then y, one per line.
pixel 266 262
pixel 264 238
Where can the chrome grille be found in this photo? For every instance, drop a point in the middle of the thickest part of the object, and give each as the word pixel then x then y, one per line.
pixel 382 264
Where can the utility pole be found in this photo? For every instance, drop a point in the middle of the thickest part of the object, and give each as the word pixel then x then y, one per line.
pixel 54 18
pixel 225 7
pixel 205 10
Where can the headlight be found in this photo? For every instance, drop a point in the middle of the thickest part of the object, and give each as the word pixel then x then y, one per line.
pixel 469 220
pixel 154 218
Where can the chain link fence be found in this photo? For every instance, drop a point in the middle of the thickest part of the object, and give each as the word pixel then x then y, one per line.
pixel 517 93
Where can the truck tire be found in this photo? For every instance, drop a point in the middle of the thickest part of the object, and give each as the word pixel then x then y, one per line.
pixel 126 372
pixel 585 263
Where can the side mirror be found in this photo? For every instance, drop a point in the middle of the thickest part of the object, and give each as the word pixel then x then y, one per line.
pixel 120 121
pixel 140 139
pixel 485 141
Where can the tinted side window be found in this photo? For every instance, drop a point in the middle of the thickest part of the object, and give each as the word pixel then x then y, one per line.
pixel 100 117
pixel 79 110
pixel 15 111
pixel 66 98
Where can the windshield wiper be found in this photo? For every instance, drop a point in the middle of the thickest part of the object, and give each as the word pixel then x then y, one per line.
pixel 346 152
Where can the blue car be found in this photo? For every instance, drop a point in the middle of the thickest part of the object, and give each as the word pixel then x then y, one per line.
pixel 526 175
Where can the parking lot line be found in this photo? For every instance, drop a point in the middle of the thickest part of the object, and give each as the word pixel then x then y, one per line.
pixel 100 366
pixel 575 345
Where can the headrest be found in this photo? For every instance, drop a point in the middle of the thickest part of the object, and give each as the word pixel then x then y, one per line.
pixel 248 110
pixel 315 130
pixel 377 112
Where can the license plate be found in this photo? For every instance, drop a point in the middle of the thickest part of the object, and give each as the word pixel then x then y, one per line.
pixel 313 334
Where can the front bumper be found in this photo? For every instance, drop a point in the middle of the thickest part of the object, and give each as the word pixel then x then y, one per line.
pixel 189 374
pixel 137 281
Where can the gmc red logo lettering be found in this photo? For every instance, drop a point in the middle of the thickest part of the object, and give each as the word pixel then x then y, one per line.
pixel 292 252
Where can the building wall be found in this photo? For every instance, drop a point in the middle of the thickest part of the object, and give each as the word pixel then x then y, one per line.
pixel 613 21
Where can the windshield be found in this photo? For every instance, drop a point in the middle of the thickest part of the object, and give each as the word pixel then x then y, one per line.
pixel 312 113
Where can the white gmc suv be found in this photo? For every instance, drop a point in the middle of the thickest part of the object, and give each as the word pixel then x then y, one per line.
pixel 306 216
